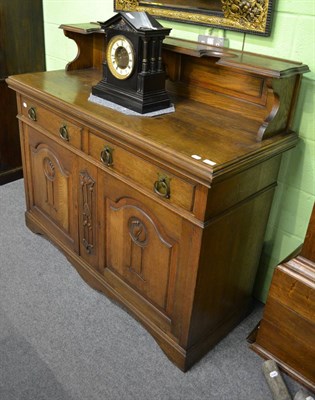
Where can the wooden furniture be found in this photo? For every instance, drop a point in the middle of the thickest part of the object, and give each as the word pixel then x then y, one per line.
pixel 166 215
pixel 287 330
pixel 21 50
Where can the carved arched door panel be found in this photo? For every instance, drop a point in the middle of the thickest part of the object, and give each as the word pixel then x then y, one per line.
pixel 139 250
pixel 52 198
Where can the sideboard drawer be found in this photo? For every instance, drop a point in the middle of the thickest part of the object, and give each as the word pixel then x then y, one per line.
pixel 164 184
pixel 57 124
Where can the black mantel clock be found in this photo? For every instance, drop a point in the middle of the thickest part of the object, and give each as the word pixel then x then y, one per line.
pixel 133 72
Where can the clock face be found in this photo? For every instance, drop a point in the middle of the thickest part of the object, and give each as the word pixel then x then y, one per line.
pixel 120 57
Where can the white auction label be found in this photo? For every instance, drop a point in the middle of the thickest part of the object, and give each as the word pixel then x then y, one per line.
pixel 209 162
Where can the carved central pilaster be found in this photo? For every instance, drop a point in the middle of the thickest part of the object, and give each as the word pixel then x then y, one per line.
pixel 87 200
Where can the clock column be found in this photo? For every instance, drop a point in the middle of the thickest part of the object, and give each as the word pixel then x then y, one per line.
pixel 156 55
pixel 145 63
pixel 160 64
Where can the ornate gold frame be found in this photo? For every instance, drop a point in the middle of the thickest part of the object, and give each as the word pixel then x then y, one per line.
pixel 249 16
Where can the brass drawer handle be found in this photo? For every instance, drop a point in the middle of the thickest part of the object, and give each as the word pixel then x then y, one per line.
pixel 162 186
pixel 32 113
pixel 64 134
pixel 107 156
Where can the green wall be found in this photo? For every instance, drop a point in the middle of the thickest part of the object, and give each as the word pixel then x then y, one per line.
pixel 292 38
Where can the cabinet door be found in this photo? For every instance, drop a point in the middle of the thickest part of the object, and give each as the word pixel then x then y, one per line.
pixel 141 246
pixel 50 174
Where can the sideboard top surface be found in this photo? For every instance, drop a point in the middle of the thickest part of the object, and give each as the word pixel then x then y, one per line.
pixel 232 109
pixel 193 129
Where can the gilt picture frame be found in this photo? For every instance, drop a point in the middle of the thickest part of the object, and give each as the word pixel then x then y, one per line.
pixel 248 16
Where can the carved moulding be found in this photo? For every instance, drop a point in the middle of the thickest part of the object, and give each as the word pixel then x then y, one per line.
pixel 87 203
pixel 250 16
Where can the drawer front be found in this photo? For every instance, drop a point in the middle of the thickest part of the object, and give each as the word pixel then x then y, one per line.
pixel 55 123
pixel 153 178
pixel 296 293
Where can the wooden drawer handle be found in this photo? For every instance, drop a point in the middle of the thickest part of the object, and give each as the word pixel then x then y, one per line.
pixel 107 156
pixel 64 134
pixel 32 113
pixel 162 186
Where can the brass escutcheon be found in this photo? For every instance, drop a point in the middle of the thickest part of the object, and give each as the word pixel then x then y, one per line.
pixel 64 134
pixel 162 186
pixel 32 113
pixel 107 156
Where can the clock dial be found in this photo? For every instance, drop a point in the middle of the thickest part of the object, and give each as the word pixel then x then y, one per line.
pixel 120 57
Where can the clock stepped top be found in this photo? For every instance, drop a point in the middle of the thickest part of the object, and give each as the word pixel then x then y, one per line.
pixel 140 22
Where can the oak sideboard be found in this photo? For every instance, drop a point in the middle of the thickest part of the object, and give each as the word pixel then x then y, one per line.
pixel 166 215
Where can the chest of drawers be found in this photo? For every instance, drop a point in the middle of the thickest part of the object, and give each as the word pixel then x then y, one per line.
pixel 166 215
pixel 287 330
